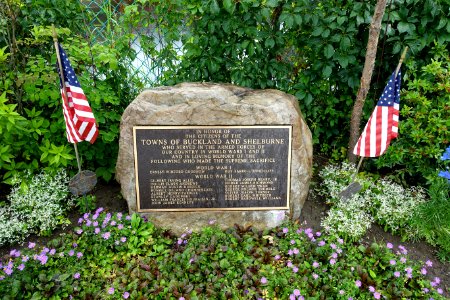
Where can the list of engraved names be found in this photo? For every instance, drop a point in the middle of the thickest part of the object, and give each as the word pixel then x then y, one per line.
pixel 212 167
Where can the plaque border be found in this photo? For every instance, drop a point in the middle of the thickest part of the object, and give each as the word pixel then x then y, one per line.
pixel 243 208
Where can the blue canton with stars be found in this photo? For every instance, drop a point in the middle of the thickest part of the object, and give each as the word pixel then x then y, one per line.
pixel 68 72
pixel 391 93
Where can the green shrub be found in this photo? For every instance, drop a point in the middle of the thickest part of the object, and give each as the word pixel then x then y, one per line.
pixel 424 128
pixel 37 204
pixel 380 200
pixel 432 218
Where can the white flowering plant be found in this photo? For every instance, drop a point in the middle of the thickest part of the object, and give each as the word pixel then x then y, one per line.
pixel 37 204
pixel 382 201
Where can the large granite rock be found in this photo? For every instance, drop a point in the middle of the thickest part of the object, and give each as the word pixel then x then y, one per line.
pixel 216 104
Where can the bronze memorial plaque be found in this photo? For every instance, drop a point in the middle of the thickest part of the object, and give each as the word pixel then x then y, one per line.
pixel 191 168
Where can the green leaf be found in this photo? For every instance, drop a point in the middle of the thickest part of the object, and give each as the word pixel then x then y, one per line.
pixel 372 274
pixel 326 72
pixel 328 51
pixel 229 6
pixel 214 7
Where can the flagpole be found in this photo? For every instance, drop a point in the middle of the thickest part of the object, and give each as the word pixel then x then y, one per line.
pixel 55 40
pixel 402 57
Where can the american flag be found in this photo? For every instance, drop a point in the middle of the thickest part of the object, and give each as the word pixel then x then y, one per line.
pixel 80 121
pixel 382 126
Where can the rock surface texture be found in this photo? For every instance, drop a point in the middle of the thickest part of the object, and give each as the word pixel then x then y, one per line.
pixel 216 104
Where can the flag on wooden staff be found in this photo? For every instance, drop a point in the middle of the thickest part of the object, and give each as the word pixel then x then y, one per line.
pixel 382 126
pixel 80 121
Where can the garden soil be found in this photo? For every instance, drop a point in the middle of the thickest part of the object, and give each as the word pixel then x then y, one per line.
pixel 109 197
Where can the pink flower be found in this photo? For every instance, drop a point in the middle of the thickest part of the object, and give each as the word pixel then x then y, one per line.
pixel 376 295
pixel 111 290
pixel 429 263
pixel 263 280
pixel 31 245
pixel 297 292
pixel 295 269
pixel 392 262
pixel 285 230
pixel 76 275
pixel 321 243
pixel 341 292
pixel 126 295
pixel 316 264
pixel 440 291
pixel 358 283
pixel 423 271
pixel 315 276
pixel 389 246
pixel 21 267
pixel 371 289
pixel 332 261
pixel 397 274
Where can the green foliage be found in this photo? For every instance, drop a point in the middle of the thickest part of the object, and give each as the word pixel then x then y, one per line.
pixel 31 113
pixel 239 263
pixel 432 218
pixel 37 204
pixel 86 203
pixel 424 128
pixel 380 200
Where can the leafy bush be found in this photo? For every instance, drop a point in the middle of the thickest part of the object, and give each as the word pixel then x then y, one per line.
pixel 424 128
pixel 37 204
pixel 383 201
pixel 287 262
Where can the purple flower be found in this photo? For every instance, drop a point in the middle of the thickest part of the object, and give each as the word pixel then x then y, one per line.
pixel 211 222
pixel 43 259
pixel 111 290
pixel 95 224
pixel 297 292
pixel 289 264
pixel 358 283
pixel 376 295
pixel 295 251
pixel 321 243
pixel 74 245
pixel 31 245
pixel 316 264
pixel 120 226
pixel 128 218
pixel 295 269
pixel 119 215
pixel 126 295
pixel 97 230
pixel 437 280
pixel 334 255
pixel 95 216
pixel 76 275
pixel 291 297
pixel 340 241
pixel 371 289
pixel 440 291
pixel 285 230
pixel 332 261
pixel 425 290
pixel 341 292
pixel 80 220
pixel 99 210
pixel 79 254
pixel 277 257
pixel 318 233
pixel 21 267
pixel 392 262
pixel 429 263
pixel 397 274
pixel 315 276
pixel 292 242
pixel 403 259
pixel 71 253
pixel 123 239
pixel 263 280
pixel 423 271
pixel 45 250
pixel 14 253
pixel 88 223
pixel 8 271
pixel 113 223
pixel 106 235
pixel 25 258
pixel 181 298
pixel 333 246
pixel 52 252
pixel 389 246
pixel 179 241
pixel 79 231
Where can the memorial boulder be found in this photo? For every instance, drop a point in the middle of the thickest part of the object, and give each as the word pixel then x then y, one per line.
pixel 195 153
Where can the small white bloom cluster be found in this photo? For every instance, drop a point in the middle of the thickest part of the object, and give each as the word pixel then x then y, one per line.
pixel 385 202
pixel 395 205
pixel 36 206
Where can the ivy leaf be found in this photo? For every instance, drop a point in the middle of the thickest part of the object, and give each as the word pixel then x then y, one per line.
pixel 214 7
pixel 405 27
